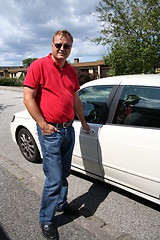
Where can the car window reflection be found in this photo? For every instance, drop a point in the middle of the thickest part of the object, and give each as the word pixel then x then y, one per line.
pixel 94 100
pixel 139 106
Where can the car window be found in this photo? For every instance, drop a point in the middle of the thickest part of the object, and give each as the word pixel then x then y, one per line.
pixel 139 106
pixel 94 100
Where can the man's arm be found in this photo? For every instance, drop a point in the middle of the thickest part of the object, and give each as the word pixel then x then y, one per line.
pixel 79 111
pixel 29 102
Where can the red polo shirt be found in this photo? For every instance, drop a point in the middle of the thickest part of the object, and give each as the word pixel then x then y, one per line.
pixel 55 88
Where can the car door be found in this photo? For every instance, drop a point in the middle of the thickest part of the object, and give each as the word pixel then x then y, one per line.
pixel 130 146
pixel 85 155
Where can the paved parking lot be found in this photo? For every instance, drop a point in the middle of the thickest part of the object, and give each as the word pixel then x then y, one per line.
pixel 107 212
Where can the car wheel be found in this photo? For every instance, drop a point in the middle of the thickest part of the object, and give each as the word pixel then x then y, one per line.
pixel 28 146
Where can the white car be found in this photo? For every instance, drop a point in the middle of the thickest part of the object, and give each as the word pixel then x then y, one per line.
pixel 123 147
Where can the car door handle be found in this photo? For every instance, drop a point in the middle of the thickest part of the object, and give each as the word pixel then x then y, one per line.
pixel 92 131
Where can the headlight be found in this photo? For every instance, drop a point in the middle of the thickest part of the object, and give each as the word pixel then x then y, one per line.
pixel 13 118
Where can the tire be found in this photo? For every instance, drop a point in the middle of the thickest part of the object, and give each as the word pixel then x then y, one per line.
pixel 28 146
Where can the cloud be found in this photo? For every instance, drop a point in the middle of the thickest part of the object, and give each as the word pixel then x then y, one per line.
pixel 27 28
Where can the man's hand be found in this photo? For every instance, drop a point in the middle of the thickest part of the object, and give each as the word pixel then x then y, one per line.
pixel 48 129
pixel 86 127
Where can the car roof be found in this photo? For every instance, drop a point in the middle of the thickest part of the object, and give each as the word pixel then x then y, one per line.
pixel 141 80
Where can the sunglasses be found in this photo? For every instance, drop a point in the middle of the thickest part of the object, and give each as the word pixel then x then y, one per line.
pixel 59 45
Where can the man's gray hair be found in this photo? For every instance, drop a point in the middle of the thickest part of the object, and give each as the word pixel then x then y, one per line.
pixel 63 33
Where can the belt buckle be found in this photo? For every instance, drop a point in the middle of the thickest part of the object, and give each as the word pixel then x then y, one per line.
pixel 65 125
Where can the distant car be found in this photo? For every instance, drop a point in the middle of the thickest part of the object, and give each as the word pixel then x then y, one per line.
pixel 123 147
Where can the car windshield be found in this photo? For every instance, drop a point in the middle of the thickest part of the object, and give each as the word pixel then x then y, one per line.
pixel 95 93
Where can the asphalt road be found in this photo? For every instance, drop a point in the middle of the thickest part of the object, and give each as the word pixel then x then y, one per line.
pixel 19 210
pixel 107 212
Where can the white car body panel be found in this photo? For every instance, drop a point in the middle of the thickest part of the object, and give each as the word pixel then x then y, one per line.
pixel 130 157
pixel 24 119
pixel 141 80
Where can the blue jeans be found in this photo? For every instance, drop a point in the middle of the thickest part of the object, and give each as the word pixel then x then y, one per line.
pixel 57 151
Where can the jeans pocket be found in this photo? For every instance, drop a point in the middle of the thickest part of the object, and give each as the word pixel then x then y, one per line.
pixel 50 135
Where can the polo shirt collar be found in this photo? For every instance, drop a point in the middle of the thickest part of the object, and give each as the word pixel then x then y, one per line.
pixel 55 63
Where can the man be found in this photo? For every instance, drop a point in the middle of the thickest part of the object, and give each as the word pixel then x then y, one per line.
pixel 51 97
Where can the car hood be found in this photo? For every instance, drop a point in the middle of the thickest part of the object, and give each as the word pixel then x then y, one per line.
pixel 23 114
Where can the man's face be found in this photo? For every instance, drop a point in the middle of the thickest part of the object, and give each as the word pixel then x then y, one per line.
pixel 61 47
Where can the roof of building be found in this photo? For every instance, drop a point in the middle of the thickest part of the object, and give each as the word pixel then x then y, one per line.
pixel 87 64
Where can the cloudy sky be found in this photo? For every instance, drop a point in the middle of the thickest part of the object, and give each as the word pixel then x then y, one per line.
pixel 27 27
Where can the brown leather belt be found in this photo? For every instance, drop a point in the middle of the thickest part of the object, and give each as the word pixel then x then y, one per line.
pixel 61 125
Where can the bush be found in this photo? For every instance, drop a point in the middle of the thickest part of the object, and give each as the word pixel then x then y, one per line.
pixel 11 82
pixel 84 77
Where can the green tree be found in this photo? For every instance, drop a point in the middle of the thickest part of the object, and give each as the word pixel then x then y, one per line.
pixel 27 62
pixel 131 29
